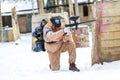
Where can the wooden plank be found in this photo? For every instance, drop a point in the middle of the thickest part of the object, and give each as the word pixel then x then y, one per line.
pixel 112 12
pixel 95 37
pixel 0 36
pixel 115 50
pixel 109 5
pixel 82 37
pixel 71 10
pixel 23 24
pixel 10 35
pixel 111 20
pixel 29 23
pixel 110 43
pixel 15 25
pixel 110 36
pixel 110 28
pixel 82 44
pixel 109 57
pixel 5 36
pixel 40 6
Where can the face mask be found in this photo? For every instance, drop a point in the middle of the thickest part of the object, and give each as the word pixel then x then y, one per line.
pixel 56 21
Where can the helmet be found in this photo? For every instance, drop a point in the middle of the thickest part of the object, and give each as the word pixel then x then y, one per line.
pixel 41 26
pixel 56 21
pixel 43 23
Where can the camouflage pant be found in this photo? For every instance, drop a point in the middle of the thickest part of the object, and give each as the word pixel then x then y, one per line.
pixel 54 58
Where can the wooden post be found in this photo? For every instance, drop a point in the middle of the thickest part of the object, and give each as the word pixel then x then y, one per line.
pixel 40 6
pixel 61 8
pixel 96 38
pixel 77 9
pixel 71 10
pixel 15 25
pixel 0 24
pixel 33 7
pixel 71 13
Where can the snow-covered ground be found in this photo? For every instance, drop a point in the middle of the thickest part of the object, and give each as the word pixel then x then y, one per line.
pixel 19 62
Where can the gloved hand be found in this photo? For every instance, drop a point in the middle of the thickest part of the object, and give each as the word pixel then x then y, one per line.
pixel 35 39
pixel 68 30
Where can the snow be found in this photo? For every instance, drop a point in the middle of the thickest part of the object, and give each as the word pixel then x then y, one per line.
pixel 19 62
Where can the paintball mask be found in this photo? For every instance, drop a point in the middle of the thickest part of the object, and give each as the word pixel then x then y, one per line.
pixel 43 23
pixel 56 21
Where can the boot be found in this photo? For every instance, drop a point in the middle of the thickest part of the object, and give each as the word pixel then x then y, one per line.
pixel 73 67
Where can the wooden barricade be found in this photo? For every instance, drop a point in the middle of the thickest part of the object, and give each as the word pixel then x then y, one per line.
pixel 106 34
pixel 11 33
pixel 82 36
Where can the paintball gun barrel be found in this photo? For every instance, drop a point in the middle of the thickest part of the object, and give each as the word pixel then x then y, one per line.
pixel 74 18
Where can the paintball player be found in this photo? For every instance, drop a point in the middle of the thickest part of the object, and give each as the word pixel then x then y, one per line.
pixel 38 37
pixel 55 43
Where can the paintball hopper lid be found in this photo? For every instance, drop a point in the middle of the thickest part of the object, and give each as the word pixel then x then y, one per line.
pixel 74 18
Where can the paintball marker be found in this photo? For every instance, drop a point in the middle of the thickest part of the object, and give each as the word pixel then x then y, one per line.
pixel 74 18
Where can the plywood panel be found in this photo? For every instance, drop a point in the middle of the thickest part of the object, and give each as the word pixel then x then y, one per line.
pixel 82 37
pixel 23 24
pixel 110 36
pixel 110 28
